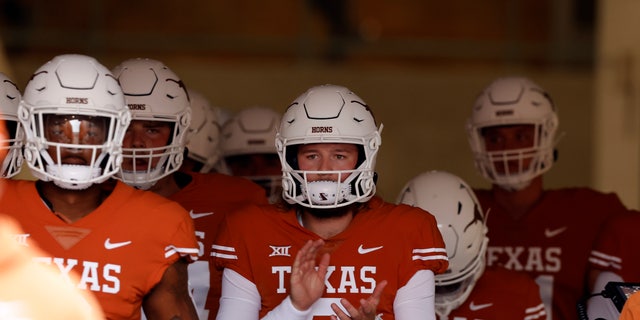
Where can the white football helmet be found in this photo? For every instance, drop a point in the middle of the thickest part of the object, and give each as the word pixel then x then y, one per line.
pixel 154 93
pixel 462 225
pixel 75 88
pixel 328 114
pixel 513 101
pixel 9 101
pixel 253 131
pixel 203 141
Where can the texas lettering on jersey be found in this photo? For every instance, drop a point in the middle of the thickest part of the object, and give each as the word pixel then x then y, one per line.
pixel 536 259
pixel 93 275
pixel 343 279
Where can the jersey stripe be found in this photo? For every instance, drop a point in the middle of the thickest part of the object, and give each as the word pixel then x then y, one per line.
pixel 171 250
pixel 430 254
pixel 224 252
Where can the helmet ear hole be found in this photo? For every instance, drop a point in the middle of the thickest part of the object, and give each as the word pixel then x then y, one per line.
pixel 292 157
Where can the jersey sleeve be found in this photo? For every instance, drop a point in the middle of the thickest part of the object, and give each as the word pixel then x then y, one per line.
pixel 612 249
pixel 173 227
pixel 227 248
pixel 183 243
pixel 427 246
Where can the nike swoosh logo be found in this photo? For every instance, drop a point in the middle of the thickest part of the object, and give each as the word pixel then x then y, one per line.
pixel 476 307
pixel 552 233
pixel 197 215
pixel 113 245
pixel 362 250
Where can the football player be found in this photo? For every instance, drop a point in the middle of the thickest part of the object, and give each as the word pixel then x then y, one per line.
pixel 128 247
pixel 547 233
pixel 249 149
pixel 468 290
pixel 153 150
pixel 374 259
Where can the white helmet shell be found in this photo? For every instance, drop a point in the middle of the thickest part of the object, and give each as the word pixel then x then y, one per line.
pixel 9 101
pixel 462 225
pixel 74 85
pixel 204 133
pixel 154 93
pixel 513 101
pixel 328 114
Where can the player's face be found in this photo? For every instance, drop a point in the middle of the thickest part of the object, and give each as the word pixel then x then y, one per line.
pixel 511 137
pixel 327 157
pixel 143 134
pixel 255 165
pixel 75 130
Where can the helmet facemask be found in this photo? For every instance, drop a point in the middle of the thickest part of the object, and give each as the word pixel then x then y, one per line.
pixel 328 114
pixel 142 167
pixel 11 145
pixel 349 187
pixel 73 151
pixel 514 169
pixel 12 163
pixel 74 117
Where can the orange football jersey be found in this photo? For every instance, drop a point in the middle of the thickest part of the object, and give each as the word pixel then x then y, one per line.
pixel 119 251
pixel 502 294
pixel 551 242
pixel 384 242
pixel 207 198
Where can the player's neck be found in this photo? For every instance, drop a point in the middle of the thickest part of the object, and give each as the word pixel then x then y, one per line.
pixel 326 227
pixel 518 203
pixel 167 186
pixel 71 205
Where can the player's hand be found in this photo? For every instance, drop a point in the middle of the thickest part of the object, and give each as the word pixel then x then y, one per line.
pixel 307 283
pixel 367 310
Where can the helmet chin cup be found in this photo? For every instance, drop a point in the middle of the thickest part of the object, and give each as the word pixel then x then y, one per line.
pixel 73 177
pixel 326 192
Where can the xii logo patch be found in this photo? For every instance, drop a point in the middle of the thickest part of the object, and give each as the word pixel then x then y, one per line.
pixel 280 251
